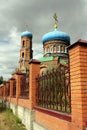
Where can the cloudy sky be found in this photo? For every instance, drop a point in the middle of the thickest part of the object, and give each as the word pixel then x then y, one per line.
pixel 37 14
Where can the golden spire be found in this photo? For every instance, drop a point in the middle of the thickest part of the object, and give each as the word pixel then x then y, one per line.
pixel 56 20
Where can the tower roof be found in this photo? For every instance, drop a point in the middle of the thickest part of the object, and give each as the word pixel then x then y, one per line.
pixel 56 35
pixel 26 34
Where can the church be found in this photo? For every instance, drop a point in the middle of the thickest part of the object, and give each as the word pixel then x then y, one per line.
pixel 55 45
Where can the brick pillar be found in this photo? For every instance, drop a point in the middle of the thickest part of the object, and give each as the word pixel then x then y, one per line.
pixel 7 86
pixel 0 91
pixel 34 72
pixel 18 83
pixel 78 79
pixel 11 86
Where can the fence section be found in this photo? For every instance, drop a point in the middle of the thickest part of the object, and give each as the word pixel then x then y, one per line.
pixel 25 86
pixel 8 89
pixel 53 90
pixel 14 88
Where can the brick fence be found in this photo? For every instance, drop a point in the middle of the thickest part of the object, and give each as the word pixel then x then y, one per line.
pixel 37 118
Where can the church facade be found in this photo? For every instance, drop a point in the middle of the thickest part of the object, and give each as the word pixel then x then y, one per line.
pixel 55 45
pixel 55 52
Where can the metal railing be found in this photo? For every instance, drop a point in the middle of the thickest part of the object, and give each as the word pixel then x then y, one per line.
pixel 25 86
pixel 14 89
pixel 53 90
pixel 8 90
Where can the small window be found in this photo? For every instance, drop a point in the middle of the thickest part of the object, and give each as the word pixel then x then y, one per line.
pixel 51 49
pixel 23 55
pixel 62 49
pixel 65 49
pixel 58 48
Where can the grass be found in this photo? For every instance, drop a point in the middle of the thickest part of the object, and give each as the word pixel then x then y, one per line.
pixel 9 121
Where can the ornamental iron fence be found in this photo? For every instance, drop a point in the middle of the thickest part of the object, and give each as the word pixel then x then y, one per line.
pixel 24 86
pixel 53 90
pixel 2 92
pixel 14 88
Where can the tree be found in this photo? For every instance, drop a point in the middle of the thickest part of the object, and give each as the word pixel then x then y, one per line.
pixel 1 80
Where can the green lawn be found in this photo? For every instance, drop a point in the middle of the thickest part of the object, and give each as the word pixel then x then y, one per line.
pixel 8 121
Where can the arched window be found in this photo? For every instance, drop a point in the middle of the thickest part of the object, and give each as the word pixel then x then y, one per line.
pixel 51 49
pixel 22 54
pixel 23 44
pixel 58 48
pixel 65 49
pixel 62 49
pixel 54 48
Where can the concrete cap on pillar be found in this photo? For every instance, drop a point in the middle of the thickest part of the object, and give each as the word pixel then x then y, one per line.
pixel 12 78
pixel 34 61
pixel 19 73
pixel 80 42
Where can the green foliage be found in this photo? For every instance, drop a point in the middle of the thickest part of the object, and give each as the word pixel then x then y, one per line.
pixel 10 120
pixel 9 111
pixel 2 80
pixel 15 121
pixel 18 121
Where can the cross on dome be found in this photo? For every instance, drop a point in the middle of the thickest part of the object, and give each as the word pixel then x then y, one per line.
pixel 55 20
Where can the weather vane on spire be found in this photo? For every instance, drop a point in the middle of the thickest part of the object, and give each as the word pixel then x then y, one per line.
pixel 56 20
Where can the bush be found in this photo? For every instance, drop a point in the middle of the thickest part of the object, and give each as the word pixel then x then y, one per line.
pixel 18 121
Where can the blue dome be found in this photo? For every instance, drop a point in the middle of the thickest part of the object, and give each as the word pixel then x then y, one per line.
pixel 56 35
pixel 26 34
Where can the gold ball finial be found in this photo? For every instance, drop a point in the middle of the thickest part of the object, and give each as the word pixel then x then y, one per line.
pixel 55 20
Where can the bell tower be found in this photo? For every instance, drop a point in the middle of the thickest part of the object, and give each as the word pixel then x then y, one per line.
pixel 26 52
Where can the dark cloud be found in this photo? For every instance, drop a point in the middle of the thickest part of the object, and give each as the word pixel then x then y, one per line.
pixel 72 17
pixel 38 15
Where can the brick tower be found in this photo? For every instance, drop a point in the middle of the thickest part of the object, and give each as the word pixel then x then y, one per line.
pixel 26 52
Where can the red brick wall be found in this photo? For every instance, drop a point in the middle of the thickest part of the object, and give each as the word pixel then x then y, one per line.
pixel 11 86
pixel 31 101
pixel 78 74
pixel 78 80
pixel 34 72
pixel 51 122
pixel 24 102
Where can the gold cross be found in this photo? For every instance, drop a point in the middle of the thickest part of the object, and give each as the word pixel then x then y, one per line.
pixel 56 20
